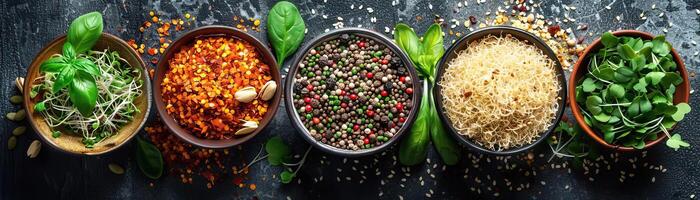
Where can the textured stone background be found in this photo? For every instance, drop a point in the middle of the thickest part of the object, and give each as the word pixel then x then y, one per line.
pixel 27 25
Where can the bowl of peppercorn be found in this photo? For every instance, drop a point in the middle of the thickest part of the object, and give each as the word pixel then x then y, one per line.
pixel 352 92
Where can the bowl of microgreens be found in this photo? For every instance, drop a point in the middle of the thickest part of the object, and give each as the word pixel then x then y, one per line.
pixel 629 90
pixel 86 92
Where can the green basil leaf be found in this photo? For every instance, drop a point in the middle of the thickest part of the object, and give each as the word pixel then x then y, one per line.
pixel 87 66
pixel 609 40
pixel 445 144
pixel 285 29
pixel 645 52
pixel 433 46
pixel 83 93
pixel 84 31
pixel 68 50
pixel 413 148
pixel 149 159
pixel 408 41
pixel 65 77
pixel 661 47
pixel 53 65
pixel 616 90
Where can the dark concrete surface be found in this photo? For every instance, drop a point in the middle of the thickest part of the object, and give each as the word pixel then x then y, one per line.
pixel 658 173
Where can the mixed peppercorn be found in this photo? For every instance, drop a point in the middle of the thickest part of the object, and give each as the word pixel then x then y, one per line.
pixel 202 80
pixel 352 92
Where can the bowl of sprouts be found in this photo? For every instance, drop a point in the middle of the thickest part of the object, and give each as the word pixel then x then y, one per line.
pixel 87 92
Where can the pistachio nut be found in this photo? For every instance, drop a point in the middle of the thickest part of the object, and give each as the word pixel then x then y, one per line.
pixel 34 149
pixel 246 94
pixel 268 90
pixel 248 127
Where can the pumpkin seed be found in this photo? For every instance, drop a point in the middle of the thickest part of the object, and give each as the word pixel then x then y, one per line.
pixel 16 99
pixel 10 116
pixel 19 130
pixel 116 169
pixel 34 149
pixel 268 90
pixel 19 82
pixel 12 143
pixel 246 94
pixel 20 115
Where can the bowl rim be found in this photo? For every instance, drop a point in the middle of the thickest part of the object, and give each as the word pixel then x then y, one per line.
pixel 464 41
pixel 214 31
pixel 26 89
pixel 376 36
pixel 594 46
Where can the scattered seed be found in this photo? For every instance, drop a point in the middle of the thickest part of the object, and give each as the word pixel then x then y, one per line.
pixel 34 149
pixel 116 168
pixel 11 143
pixel 10 116
pixel 19 130
pixel 16 99
pixel 20 115
pixel 19 82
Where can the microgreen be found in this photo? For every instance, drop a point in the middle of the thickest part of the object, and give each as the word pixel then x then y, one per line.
pixel 568 141
pixel 425 54
pixel 627 96
pixel 278 153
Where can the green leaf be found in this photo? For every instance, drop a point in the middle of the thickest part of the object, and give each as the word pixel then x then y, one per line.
pixel 588 85
pixel 682 109
pixel 655 77
pixel 676 142
pixel 633 109
pixel 616 90
pixel 83 93
pixel 626 52
pixel 661 47
pixel 671 78
pixel 286 176
pixel 413 148
pixel 592 104
pixel 609 40
pixel 84 31
pixel 638 63
pixel 277 150
pixel 39 107
pixel 445 144
pixel 87 66
pixel 56 134
pixel 53 64
pixel 640 144
pixel 149 159
pixel 624 74
pixel 667 64
pixel 285 29
pixel 433 46
pixel 609 137
pixel 670 91
pixel 407 39
pixel 68 50
pixel 644 104
pixel 641 86
pixel 602 117
pixel 604 72
pixel 65 77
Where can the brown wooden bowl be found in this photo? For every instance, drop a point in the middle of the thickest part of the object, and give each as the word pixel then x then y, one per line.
pixel 187 39
pixel 682 91
pixel 71 143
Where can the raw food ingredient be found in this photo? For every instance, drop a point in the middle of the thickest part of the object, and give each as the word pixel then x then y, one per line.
pixel 115 168
pixel 428 126
pixel 12 143
pixel 278 153
pixel 627 96
pixel 352 92
pixel 16 99
pixel 19 130
pixel 149 159
pixel 210 87
pixel 500 92
pixel 285 29
pixel 34 149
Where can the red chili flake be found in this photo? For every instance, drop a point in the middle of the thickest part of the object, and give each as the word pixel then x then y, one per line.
pixel 554 29
pixel 152 51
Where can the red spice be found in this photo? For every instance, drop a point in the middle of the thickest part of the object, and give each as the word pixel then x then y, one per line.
pixel 554 29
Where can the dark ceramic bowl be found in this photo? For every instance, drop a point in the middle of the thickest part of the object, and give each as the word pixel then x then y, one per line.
pixel 294 115
pixel 72 143
pixel 462 44
pixel 187 39
pixel 682 91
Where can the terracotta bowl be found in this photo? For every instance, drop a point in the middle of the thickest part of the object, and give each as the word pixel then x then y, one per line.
pixel 188 39
pixel 71 143
pixel 682 91
pixel 294 115
pixel 462 44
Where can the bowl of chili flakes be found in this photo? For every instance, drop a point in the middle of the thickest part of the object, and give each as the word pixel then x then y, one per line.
pixel 196 82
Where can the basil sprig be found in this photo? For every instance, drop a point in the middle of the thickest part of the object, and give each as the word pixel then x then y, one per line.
pixel 73 71
pixel 628 93
pixel 428 127
pixel 285 29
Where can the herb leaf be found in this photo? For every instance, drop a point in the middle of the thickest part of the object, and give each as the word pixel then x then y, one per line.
pixel 149 159
pixel 409 42
pixel 83 93
pixel 676 142
pixel 682 109
pixel 661 47
pixel 87 66
pixel 65 77
pixel 84 31
pixel 53 64
pixel 445 145
pixel 609 40
pixel 285 29
pixel 432 47
pixel 413 148
pixel 286 176
pixel 68 50
pixel 277 151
